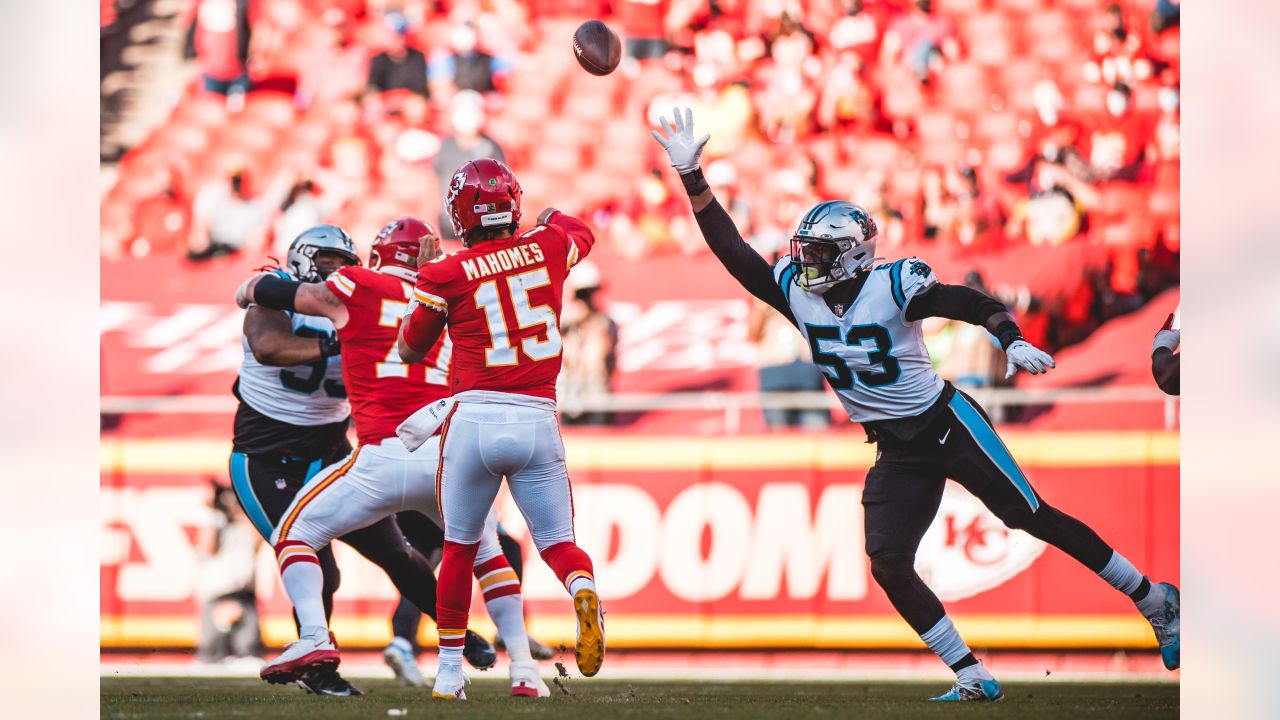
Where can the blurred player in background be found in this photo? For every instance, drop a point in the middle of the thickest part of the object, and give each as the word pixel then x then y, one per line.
pixel 500 298
pixel 862 324
pixel 381 477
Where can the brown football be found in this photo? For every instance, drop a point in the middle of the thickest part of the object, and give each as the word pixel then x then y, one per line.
pixel 597 48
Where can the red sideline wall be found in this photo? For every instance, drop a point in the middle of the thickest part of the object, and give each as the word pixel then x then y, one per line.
pixel 750 541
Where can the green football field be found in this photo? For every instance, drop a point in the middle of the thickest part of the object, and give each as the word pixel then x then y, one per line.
pixel 205 699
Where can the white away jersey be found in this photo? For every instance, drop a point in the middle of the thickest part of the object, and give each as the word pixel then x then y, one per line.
pixel 301 395
pixel 873 358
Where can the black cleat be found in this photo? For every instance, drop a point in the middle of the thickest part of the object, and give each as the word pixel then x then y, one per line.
pixel 479 652
pixel 536 649
pixel 327 681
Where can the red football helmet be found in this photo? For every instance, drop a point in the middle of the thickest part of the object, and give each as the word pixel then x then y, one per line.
pixel 395 251
pixel 483 193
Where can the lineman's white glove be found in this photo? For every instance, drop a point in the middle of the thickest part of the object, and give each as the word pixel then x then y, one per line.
pixel 1022 354
pixel 679 143
pixel 1167 337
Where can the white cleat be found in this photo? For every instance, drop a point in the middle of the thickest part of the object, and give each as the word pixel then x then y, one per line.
pixel 403 663
pixel 526 681
pixel 450 684
pixel 299 656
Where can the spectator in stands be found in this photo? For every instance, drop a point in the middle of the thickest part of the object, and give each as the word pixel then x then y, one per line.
pixel 979 218
pixel 1115 148
pixel 1165 142
pixel 1164 15
pixel 937 210
pixel 226 219
pixel 642 24
pixel 467 67
pixel 336 68
pixel 590 347
pixel 1055 210
pixel 218 38
pixel 400 66
pixel 846 106
pixel 1118 55
pixel 226 549
pixel 858 29
pixel 303 208
pixel 467 142
pixel 871 191
pixel 920 41
pixel 646 222
pixel 786 102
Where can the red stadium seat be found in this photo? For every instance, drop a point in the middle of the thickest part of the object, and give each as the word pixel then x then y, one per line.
pixel 994 127
pixel 1089 99
pixel 964 87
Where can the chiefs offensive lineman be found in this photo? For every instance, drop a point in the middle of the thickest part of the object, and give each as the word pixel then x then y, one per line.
pixel 381 476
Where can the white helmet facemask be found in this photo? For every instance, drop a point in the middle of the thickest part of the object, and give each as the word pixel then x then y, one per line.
pixel 834 241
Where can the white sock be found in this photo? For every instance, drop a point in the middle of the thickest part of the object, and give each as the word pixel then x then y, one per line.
pixel 972 674
pixel 304 582
pixel 1151 604
pixel 507 613
pixel 944 641
pixel 581 583
pixel 451 658
pixel 1121 574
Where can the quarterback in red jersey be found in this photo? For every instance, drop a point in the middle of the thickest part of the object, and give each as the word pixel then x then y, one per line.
pixel 382 476
pixel 500 298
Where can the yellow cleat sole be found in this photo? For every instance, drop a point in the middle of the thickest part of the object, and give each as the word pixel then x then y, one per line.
pixel 589 651
pixel 447 696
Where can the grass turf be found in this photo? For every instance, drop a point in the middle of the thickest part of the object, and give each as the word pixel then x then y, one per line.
pixel 206 699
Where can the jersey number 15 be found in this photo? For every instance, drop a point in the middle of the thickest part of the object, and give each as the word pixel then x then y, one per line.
pixel 500 351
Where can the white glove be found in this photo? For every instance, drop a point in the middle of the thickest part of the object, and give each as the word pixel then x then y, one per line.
pixel 1022 354
pixel 679 143
pixel 1167 339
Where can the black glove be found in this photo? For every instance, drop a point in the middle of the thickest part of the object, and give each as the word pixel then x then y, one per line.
pixel 329 346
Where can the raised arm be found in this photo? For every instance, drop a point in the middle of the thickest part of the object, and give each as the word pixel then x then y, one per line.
pixel 272 291
pixel 722 236
pixel 272 342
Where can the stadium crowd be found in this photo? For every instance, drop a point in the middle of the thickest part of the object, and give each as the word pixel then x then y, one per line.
pixel 973 130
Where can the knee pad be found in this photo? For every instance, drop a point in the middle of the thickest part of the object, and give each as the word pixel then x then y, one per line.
pixel 893 569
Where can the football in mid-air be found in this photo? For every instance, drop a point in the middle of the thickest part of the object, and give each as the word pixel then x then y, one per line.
pixel 596 47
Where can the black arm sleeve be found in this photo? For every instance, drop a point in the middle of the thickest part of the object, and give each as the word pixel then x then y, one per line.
pixel 957 302
pixel 275 293
pixel 1165 367
pixel 743 263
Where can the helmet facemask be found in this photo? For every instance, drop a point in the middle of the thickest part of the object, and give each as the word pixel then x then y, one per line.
pixel 301 260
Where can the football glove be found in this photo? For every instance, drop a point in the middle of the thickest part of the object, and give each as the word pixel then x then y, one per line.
pixel 1167 337
pixel 330 346
pixel 1022 354
pixel 679 142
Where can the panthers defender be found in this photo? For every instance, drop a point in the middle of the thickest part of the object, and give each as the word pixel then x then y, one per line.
pixel 381 477
pixel 500 298
pixel 292 420
pixel 861 321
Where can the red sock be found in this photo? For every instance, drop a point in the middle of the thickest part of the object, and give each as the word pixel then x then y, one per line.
pixel 497 578
pixel 453 592
pixel 568 561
